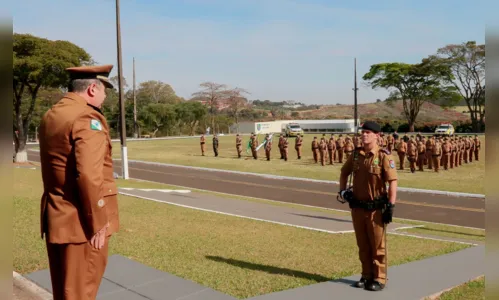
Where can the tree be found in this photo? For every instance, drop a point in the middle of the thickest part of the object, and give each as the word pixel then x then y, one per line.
pixel 155 92
pixel 467 64
pixel 236 102
pixel 212 94
pixel 38 63
pixel 414 83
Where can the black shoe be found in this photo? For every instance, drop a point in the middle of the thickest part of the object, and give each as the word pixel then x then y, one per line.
pixel 374 286
pixel 361 283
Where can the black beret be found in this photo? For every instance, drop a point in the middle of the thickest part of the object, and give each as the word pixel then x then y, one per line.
pixel 372 126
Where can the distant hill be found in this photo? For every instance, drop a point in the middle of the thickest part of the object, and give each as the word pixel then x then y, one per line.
pixel 382 111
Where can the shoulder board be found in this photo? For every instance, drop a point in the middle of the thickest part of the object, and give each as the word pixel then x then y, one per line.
pixel 385 151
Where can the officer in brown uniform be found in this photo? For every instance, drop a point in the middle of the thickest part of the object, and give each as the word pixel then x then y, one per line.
pixel 467 147
pixel 315 149
pixel 436 153
pixel 79 205
pixel 239 145
pixel 472 148
pixel 389 142
pixel 348 149
pixel 452 153
pixel 215 145
pixel 331 147
pixel 268 146
pixel 322 151
pixel 371 203
pixel 340 144
pixel 401 151
pixel 429 150
pixel 412 154
pixel 298 142
pixel 446 153
pixel 421 148
pixel 281 138
pixel 254 145
pixel 477 147
pixel 202 141
pixel 285 145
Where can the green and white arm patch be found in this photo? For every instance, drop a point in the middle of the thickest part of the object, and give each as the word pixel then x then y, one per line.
pixel 95 125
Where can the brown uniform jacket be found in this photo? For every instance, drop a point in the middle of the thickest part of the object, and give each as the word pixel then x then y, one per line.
pixel 80 194
pixel 371 172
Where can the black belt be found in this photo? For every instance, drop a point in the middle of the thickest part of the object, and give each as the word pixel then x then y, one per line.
pixel 379 203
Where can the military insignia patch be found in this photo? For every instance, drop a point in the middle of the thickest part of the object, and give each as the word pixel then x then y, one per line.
pixel 95 125
pixel 392 164
pixel 376 161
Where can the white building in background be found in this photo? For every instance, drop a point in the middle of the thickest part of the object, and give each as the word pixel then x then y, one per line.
pixel 308 126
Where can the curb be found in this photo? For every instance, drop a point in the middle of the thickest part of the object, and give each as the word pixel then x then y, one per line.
pixel 27 285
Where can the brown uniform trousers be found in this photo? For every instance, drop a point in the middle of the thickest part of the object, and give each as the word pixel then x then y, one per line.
pixel 369 182
pixel 472 150
pixel 254 145
pixel 281 150
pixel 202 142
pixel 298 143
pixel 421 158
pixel 80 195
pixel 477 149
pixel 458 154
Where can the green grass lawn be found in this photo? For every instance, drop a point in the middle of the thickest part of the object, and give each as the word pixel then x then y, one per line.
pixel 473 290
pixel 468 178
pixel 252 258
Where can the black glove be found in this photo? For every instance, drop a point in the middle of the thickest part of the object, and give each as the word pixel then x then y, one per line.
pixel 388 213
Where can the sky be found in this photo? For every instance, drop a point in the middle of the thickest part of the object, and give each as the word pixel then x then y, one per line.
pixel 301 50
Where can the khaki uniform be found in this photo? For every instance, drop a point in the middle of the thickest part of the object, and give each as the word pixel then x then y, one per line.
pixel 285 145
pixel 281 148
pixel 331 148
pixel 348 149
pixel 412 154
pixel 239 146
pixel 371 172
pixel 215 145
pixel 402 150
pixel 268 148
pixel 421 148
pixel 472 149
pixel 446 154
pixel 323 151
pixel 477 148
pixel 390 142
pixel 298 143
pixel 340 144
pixel 202 141
pixel 254 145
pixel 80 195
pixel 436 153
pixel 315 150
pixel 429 150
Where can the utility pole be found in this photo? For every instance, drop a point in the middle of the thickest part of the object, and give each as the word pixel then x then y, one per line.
pixel 135 131
pixel 355 89
pixel 124 154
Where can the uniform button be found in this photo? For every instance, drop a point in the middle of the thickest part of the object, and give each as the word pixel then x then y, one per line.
pixel 100 203
pixel 110 191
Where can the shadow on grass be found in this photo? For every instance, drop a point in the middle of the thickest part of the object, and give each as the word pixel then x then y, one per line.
pixel 269 269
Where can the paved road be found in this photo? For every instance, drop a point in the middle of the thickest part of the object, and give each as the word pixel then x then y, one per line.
pixel 462 211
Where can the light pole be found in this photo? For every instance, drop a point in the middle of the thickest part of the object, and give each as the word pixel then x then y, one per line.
pixel 355 89
pixel 124 154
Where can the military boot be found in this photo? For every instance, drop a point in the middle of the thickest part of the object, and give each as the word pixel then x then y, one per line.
pixel 374 286
pixel 361 283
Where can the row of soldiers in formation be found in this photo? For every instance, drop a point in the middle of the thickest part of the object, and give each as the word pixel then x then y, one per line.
pixel 436 151
pixel 433 152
